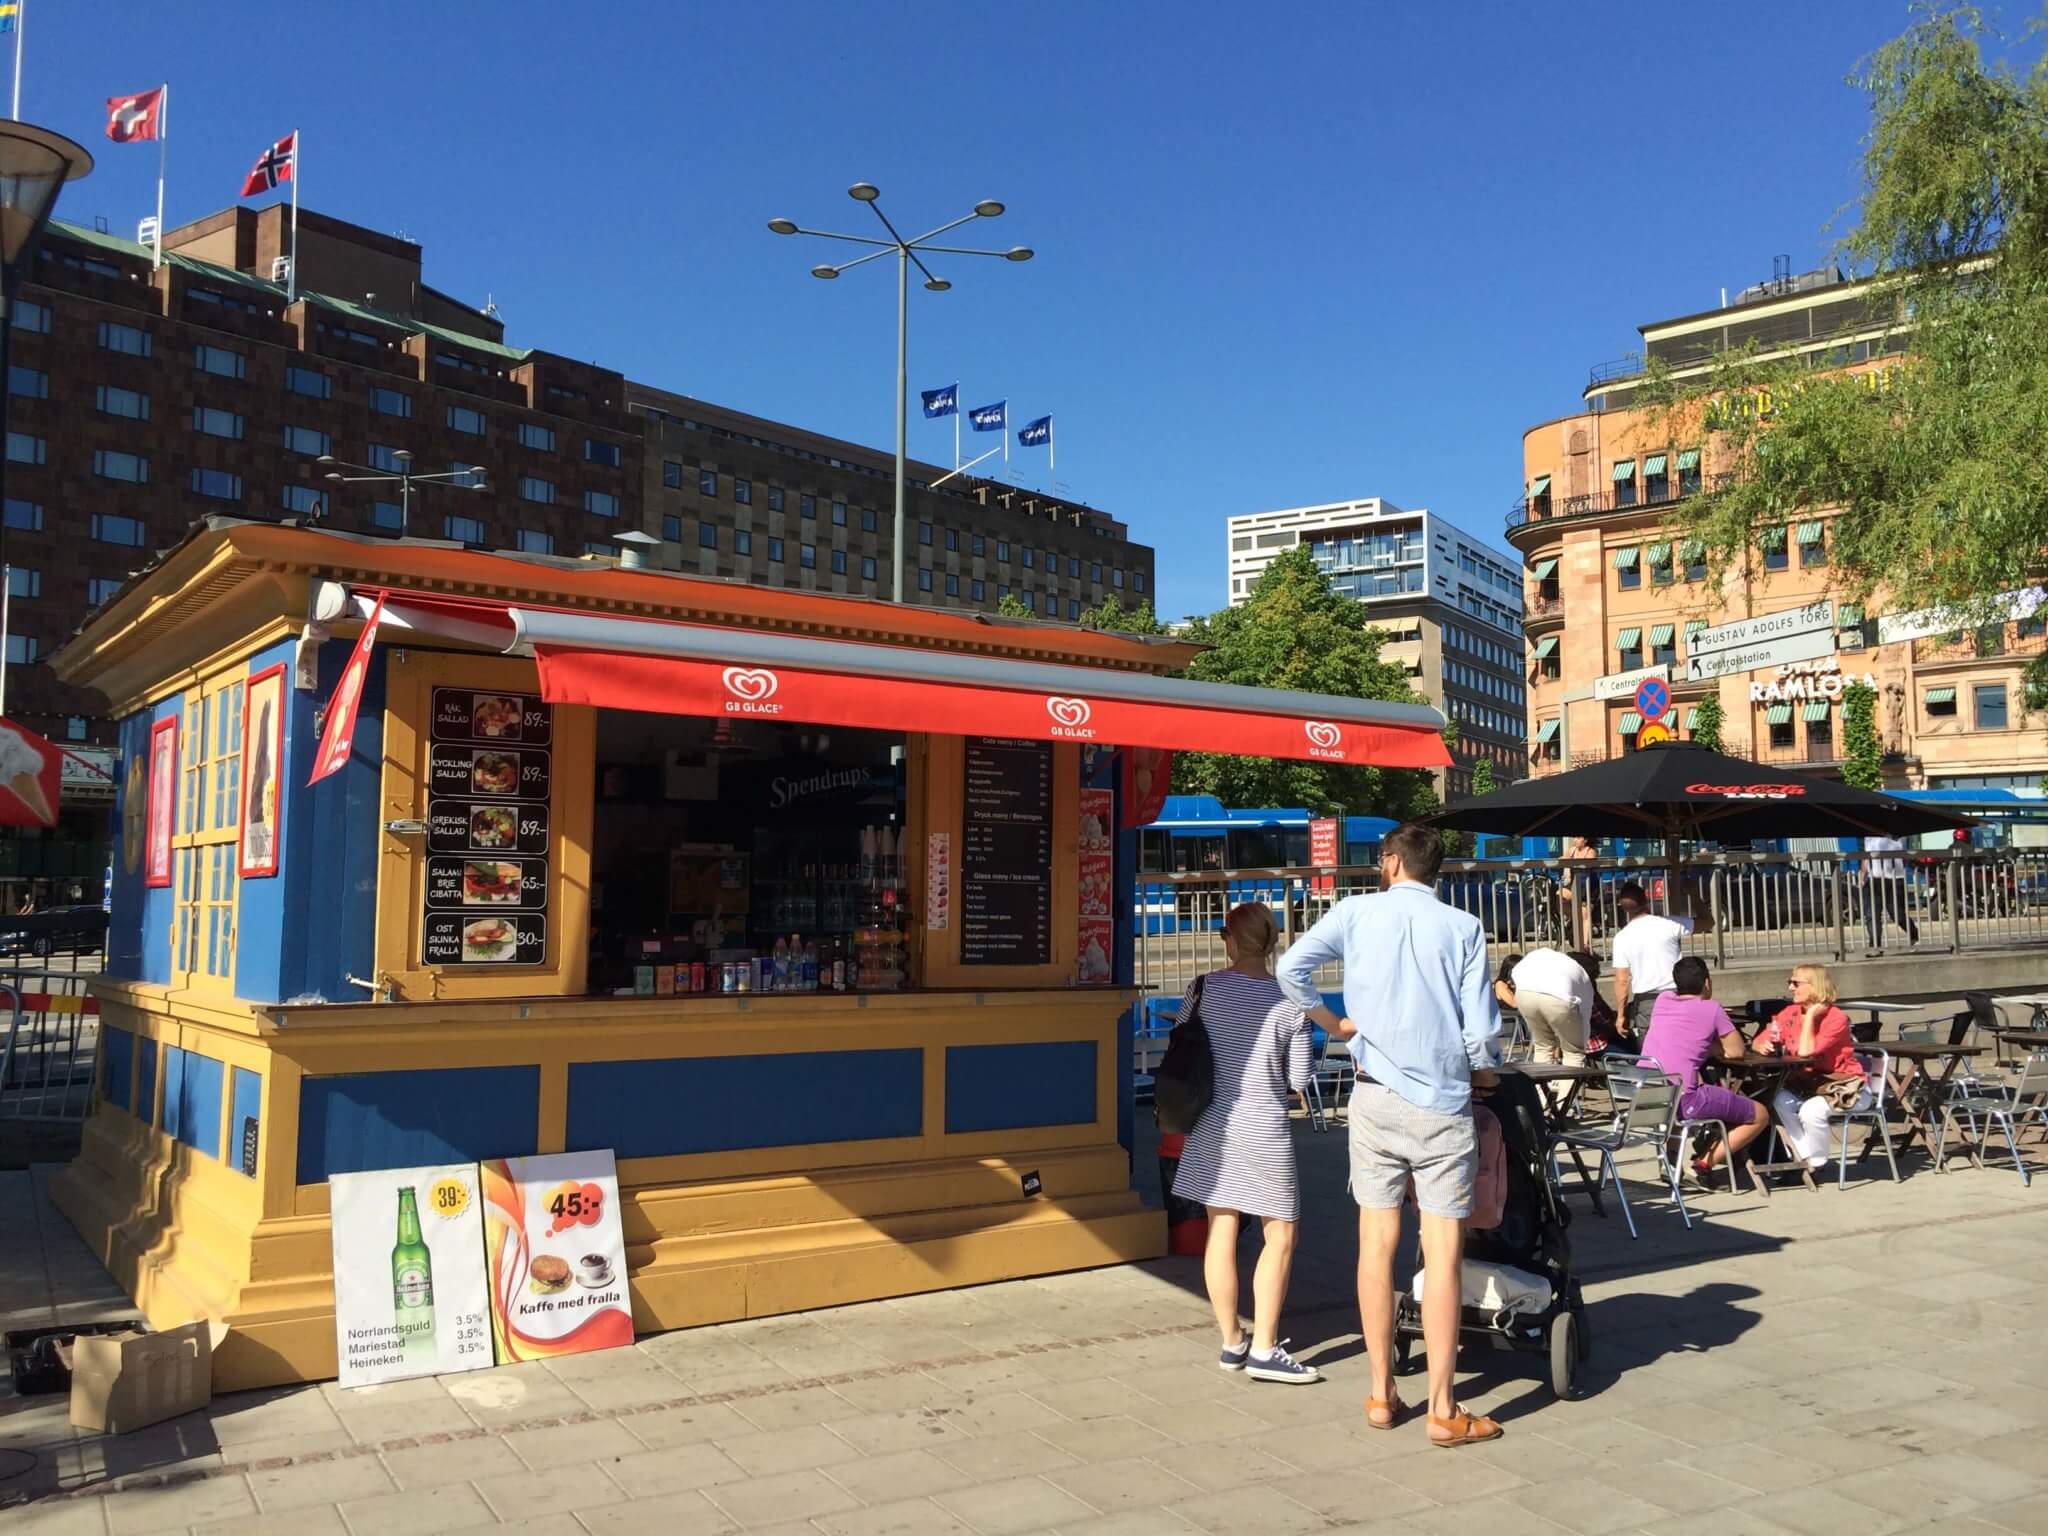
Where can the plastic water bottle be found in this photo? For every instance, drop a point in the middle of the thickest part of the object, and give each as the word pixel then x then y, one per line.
pixel 780 967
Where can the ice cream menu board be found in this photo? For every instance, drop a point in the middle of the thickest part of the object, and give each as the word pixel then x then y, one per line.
pixel 489 774
pixel 1006 853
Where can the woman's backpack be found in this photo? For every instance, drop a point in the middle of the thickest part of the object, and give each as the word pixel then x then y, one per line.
pixel 1185 1080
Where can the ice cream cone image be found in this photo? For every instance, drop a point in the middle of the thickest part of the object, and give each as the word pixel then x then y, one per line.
pixel 29 791
pixel 21 770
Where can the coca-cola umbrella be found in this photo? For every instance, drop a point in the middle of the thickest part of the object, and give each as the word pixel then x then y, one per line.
pixel 1676 791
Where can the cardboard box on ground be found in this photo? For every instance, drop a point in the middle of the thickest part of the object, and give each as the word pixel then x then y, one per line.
pixel 125 1381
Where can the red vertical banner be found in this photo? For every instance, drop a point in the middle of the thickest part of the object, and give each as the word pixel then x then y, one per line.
pixel 1098 875
pixel 1148 773
pixel 163 802
pixel 338 736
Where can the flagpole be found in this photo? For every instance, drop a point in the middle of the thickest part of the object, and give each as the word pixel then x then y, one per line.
pixel 20 26
pixel 1052 458
pixel 163 140
pixel 291 276
pixel 956 425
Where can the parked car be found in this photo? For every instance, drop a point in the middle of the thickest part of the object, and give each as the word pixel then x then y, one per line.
pixel 80 930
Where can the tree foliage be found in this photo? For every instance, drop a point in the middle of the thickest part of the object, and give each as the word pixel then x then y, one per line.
pixel 1863 762
pixel 1935 458
pixel 1706 726
pixel 1012 607
pixel 1482 777
pixel 1113 615
pixel 1293 632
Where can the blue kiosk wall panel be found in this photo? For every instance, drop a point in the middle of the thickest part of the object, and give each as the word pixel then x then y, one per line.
pixel 360 1121
pixel 731 1103
pixel 1010 1087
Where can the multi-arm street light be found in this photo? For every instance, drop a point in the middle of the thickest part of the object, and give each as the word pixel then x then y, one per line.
pixel 402 477
pixel 907 251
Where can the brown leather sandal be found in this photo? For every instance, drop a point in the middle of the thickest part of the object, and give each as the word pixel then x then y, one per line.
pixel 1465 1428
pixel 1393 1408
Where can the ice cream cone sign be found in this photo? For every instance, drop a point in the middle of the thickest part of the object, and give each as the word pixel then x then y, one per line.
pixel 29 770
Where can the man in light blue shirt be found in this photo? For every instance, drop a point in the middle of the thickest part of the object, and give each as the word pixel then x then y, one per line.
pixel 1424 1029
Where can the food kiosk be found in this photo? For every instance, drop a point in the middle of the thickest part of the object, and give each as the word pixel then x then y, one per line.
pixel 813 909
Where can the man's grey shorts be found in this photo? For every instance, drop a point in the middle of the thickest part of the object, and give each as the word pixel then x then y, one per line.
pixel 1393 1140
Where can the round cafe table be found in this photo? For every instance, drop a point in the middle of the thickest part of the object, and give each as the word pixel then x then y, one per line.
pixel 1759 1074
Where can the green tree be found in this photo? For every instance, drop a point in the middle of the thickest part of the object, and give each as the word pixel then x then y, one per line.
pixel 1706 726
pixel 1864 765
pixel 1936 462
pixel 1293 632
pixel 1011 607
pixel 1482 777
pixel 1113 615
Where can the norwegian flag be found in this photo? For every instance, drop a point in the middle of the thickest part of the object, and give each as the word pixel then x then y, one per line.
pixel 132 118
pixel 274 166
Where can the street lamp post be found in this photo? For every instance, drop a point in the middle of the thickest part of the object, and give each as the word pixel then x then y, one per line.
pixel 402 477
pixel 906 251
pixel 34 165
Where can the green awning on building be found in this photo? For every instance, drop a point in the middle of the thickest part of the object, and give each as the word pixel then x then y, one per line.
pixel 1631 722
pixel 1538 486
pixel 1654 464
pixel 1625 559
pixel 1848 615
pixel 1660 634
pixel 1817 709
pixel 1692 551
pixel 1660 554
pixel 1811 533
pixel 1629 640
pixel 1692 716
pixel 1941 695
pixel 1693 627
pixel 1779 714
pixel 1688 458
pixel 1543 570
pixel 1772 539
pixel 1546 647
pixel 1546 732
pixel 1625 470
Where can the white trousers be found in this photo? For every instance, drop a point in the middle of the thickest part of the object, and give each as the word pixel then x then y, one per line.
pixel 1804 1123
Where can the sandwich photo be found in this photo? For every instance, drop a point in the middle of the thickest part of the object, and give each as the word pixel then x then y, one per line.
pixel 490 938
pixel 547 1274
pixel 489 883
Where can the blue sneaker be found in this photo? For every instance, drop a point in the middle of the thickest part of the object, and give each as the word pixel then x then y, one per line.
pixel 1233 1359
pixel 1280 1366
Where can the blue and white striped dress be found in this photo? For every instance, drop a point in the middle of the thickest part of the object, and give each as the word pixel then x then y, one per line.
pixel 1240 1155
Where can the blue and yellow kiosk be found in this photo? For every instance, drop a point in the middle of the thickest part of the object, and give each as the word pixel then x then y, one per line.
pixel 813 909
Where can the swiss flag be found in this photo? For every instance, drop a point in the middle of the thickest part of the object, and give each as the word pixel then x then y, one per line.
pixel 132 118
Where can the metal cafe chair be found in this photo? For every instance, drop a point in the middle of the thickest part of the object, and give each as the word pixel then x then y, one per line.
pixel 1877 1065
pixel 1644 1102
pixel 2022 1101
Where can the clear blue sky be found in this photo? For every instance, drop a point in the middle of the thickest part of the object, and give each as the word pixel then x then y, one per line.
pixel 1287 253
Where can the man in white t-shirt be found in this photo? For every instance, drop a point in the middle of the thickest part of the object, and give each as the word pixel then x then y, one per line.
pixel 1645 950
pixel 1887 890
pixel 1554 996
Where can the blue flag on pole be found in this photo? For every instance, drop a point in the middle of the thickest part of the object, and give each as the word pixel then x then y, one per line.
pixel 9 9
pixel 1035 434
pixel 942 402
pixel 990 418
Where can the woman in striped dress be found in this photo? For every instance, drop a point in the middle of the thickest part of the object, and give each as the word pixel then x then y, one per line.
pixel 1239 1159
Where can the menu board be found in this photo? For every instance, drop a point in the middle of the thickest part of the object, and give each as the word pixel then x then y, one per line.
pixel 489 773
pixel 1006 853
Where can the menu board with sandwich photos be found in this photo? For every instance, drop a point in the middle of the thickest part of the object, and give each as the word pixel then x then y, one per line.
pixel 556 1252
pixel 489 776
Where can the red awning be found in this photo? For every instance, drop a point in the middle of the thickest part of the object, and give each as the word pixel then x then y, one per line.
pixel 677 686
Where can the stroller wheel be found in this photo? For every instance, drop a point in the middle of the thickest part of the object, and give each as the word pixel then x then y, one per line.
pixel 1404 1346
pixel 1564 1356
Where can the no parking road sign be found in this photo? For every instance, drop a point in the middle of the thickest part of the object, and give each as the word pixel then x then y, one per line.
pixel 1653 698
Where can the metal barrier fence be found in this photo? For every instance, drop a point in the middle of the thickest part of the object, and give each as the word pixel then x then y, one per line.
pixel 1809 906
pixel 50 1049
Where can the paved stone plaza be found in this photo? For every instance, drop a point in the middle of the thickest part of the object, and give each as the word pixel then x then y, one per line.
pixel 1862 1361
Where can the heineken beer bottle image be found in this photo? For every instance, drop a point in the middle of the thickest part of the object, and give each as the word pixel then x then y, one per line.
pixel 412 1281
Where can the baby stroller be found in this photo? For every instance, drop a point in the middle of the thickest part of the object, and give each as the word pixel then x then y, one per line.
pixel 1531 1241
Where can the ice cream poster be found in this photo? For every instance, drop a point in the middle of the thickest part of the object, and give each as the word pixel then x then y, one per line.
pixel 1098 862
pixel 29 771
pixel 262 773
pixel 410 1297
pixel 557 1255
pixel 163 801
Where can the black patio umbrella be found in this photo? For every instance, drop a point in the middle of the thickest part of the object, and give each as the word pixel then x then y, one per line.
pixel 1677 790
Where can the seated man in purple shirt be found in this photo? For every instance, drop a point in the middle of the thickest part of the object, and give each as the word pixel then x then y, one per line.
pixel 1685 1026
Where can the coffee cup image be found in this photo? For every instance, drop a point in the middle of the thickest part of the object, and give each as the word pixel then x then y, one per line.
pixel 593 1270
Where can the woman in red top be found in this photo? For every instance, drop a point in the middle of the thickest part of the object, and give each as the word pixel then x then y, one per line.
pixel 1811 1026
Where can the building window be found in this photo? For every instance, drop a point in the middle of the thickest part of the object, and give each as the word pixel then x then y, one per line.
pixel 305 440
pixel 24 516
pixel 310 382
pixel 707 482
pixel 533 488
pixel 30 383
pixel 774 498
pixel 388 515
pixel 600 503
pixel 21 650
pixel 978 591
pixel 22 581
pixel 386 459
pixel 1628 568
pixel 31 318
pixel 924 534
pixel 1625 483
pixel 1030 558
pixel 707 535
pixel 952 585
pixel 462 419
pixel 1664 645
pixel 807 505
pixel 396 402
pixel 838 514
pixel 110 528
pixel 867 568
pixel 1990 701
pixel 1772 543
pixel 1116 578
pixel 533 542
pixel 953 539
pixel 1689 472
pixel 464 477
pixel 596 451
pixel 807 556
pixel 537 437
pixel 109 465
pixel 672 528
pixel 742 542
pixel 1662 573
pixel 1074 567
pixel 867 519
pixel 130 340
pixel 838 562
pixel 304 500
pixel 216 484
pixel 775 551
pixel 977 545
pixel 604 547
pixel 742 491
pixel 1813 545
pixel 216 423
pixel 671 475
pixel 470 530
pixel 1694 554
pixel 1002 551
pixel 220 362
pixel 131 405
pixel 924 578
pixel 101 589
pixel 203 877
pixel 1073 608
pixel 1657 478
pixel 1628 646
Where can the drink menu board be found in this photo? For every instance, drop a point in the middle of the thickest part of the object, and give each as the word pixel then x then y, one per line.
pixel 1006 853
pixel 489 773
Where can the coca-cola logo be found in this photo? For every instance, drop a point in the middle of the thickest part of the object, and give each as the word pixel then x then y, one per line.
pixel 1070 716
pixel 1324 739
pixel 1748 791
pixel 752 687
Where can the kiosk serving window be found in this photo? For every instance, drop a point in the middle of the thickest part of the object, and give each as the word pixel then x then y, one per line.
pixel 204 845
